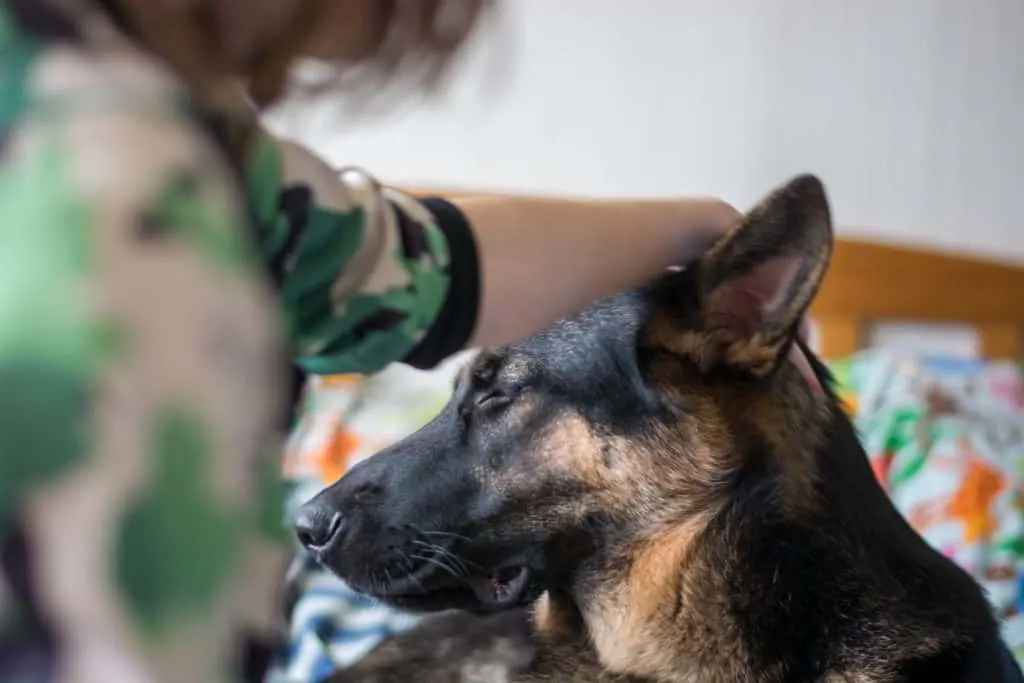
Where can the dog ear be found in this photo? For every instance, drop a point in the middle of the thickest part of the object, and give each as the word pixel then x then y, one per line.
pixel 755 284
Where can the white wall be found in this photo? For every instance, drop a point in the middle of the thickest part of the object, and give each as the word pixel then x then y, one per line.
pixel 912 111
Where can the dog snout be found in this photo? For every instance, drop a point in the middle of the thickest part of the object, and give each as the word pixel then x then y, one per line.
pixel 362 486
pixel 325 520
pixel 317 526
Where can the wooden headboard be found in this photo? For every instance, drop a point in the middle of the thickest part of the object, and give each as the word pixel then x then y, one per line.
pixel 871 283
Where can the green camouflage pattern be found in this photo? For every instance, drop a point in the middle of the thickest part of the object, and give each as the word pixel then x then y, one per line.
pixel 142 352
pixel 359 292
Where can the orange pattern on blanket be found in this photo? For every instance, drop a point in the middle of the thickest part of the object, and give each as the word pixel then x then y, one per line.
pixel 972 503
pixel 926 515
pixel 337 381
pixel 881 466
pixel 333 459
pixel 848 402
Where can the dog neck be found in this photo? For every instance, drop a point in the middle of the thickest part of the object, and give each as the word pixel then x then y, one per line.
pixel 624 615
pixel 669 607
pixel 657 611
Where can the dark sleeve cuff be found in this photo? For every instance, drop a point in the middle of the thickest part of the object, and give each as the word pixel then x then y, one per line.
pixel 457 318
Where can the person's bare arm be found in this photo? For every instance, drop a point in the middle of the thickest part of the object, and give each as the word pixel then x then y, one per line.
pixel 423 278
pixel 542 259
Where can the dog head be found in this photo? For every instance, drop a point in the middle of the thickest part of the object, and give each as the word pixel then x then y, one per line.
pixel 564 455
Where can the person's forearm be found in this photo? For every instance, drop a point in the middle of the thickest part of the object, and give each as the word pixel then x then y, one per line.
pixel 543 259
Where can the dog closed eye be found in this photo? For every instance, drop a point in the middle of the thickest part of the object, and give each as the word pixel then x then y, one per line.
pixel 486 402
pixel 492 399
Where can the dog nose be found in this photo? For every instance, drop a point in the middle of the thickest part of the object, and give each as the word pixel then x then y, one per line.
pixel 317 526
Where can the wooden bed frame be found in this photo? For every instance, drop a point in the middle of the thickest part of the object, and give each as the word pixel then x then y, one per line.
pixel 870 283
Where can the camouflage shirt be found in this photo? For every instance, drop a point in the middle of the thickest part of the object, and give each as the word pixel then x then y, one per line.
pixel 150 284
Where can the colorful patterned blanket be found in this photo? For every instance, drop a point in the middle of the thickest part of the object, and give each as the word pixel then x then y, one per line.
pixel 946 440
pixel 945 437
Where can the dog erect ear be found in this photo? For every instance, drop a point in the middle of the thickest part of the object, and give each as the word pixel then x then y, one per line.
pixel 754 285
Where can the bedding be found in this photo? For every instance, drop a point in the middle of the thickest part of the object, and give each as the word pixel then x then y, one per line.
pixel 945 438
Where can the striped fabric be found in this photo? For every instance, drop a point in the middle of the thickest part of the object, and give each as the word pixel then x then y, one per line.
pixel 331 626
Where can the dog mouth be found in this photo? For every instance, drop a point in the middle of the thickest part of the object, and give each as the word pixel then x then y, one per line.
pixel 502 588
pixel 431 588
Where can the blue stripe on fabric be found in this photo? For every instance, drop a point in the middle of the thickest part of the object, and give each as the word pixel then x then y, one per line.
pixel 340 593
pixel 322 669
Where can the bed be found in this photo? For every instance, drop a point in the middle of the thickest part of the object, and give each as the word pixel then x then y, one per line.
pixel 870 283
pixel 944 430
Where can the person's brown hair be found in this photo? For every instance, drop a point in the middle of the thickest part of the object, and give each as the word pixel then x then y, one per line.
pixel 212 42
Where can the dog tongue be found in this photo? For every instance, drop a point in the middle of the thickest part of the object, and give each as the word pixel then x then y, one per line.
pixel 500 587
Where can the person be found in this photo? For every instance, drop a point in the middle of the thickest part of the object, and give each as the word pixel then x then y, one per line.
pixel 163 259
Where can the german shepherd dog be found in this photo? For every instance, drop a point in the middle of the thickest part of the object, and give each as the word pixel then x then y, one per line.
pixel 677 501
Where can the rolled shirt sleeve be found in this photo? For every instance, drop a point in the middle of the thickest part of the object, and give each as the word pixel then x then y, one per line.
pixel 367 275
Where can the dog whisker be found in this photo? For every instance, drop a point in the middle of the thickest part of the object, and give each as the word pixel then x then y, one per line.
pixel 439 561
pixel 463 564
pixel 441 534
pixel 440 565
pixel 410 566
